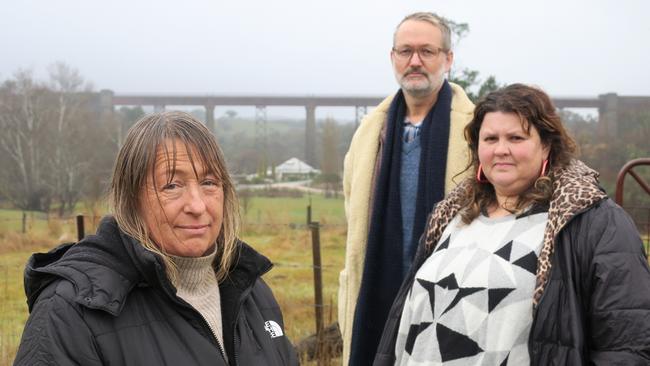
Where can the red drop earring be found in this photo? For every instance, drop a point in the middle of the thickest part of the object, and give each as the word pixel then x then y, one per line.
pixel 544 167
pixel 480 176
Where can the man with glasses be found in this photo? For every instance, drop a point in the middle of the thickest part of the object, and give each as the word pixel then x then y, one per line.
pixel 403 158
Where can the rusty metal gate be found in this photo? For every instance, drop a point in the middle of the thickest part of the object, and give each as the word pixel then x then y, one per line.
pixel 640 214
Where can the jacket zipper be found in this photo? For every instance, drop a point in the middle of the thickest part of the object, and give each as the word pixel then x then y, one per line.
pixel 205 323
pixel 216 340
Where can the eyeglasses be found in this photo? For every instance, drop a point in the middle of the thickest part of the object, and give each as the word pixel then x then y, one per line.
pixel 426 53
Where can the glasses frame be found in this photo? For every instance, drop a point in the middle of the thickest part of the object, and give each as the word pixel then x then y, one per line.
pixel 438 51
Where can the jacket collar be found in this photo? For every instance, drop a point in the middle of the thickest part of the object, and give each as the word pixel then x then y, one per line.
pixel 575 189
pixel 105 267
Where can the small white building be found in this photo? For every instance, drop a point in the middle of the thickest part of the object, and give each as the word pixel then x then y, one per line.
pixel 294 168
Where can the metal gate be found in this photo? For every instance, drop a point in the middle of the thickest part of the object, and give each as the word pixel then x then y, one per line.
pixel 640 214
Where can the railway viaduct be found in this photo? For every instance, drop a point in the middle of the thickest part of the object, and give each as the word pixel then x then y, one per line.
pixel 608 105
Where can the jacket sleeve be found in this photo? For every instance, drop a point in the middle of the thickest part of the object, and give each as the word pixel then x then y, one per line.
pixel 56 334
pixel 619 306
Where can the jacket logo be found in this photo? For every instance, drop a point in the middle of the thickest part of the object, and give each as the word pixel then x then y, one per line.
pixel 273 328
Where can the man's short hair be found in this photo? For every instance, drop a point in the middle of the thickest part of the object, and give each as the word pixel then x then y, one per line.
pixel 431 18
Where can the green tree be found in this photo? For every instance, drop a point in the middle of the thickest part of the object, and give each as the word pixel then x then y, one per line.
pixel 469 79
pixel 488 85
pixel 230 114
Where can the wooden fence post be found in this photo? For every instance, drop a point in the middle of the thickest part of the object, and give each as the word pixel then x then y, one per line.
pixel 80 227
pixel 318 288
pixel 309 213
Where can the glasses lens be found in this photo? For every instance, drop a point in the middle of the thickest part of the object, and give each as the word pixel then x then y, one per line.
pixel 404 53
pixel 427 54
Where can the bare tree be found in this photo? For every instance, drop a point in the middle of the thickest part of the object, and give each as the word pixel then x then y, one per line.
pixel 48 139
pixel 69 159
pixel 22 121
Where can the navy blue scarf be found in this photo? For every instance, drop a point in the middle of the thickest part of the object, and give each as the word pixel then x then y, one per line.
pixel 382 273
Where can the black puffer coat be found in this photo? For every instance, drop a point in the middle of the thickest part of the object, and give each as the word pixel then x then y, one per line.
pixel 108 301
pixel 595 307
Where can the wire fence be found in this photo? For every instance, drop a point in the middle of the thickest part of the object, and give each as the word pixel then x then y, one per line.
pixel 308 310
pixel 323 345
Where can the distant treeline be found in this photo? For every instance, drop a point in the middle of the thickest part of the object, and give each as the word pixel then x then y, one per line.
pixel 56 150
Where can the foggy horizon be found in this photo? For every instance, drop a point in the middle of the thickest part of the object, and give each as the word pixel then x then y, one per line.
pixel 569 49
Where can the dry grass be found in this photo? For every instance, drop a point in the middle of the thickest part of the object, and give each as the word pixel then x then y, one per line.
pixel 40 232
pixel 13 309
pixel 292 278
pixel 280 235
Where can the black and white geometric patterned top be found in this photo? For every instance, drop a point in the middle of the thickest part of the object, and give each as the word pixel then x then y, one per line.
pixel 471 302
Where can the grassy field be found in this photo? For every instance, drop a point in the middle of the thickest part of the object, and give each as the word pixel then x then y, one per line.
pixel 274 226
pixel 282 210
pixel 13 310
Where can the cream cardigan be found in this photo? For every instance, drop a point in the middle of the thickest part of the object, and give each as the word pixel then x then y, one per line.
pixel 358 173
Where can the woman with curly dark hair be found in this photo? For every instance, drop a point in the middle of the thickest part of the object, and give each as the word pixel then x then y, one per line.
pixel 528 262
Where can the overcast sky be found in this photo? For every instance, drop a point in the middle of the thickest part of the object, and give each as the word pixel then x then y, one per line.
pixel 334 47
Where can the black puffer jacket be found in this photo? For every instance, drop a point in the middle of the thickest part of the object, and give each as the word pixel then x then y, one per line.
pixel 595 306
pixel 108 301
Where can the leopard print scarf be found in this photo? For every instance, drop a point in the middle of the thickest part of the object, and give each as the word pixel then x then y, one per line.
pixel 575 188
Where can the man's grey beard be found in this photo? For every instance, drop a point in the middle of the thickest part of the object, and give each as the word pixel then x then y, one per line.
pixel 418 92
pixel 423 91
